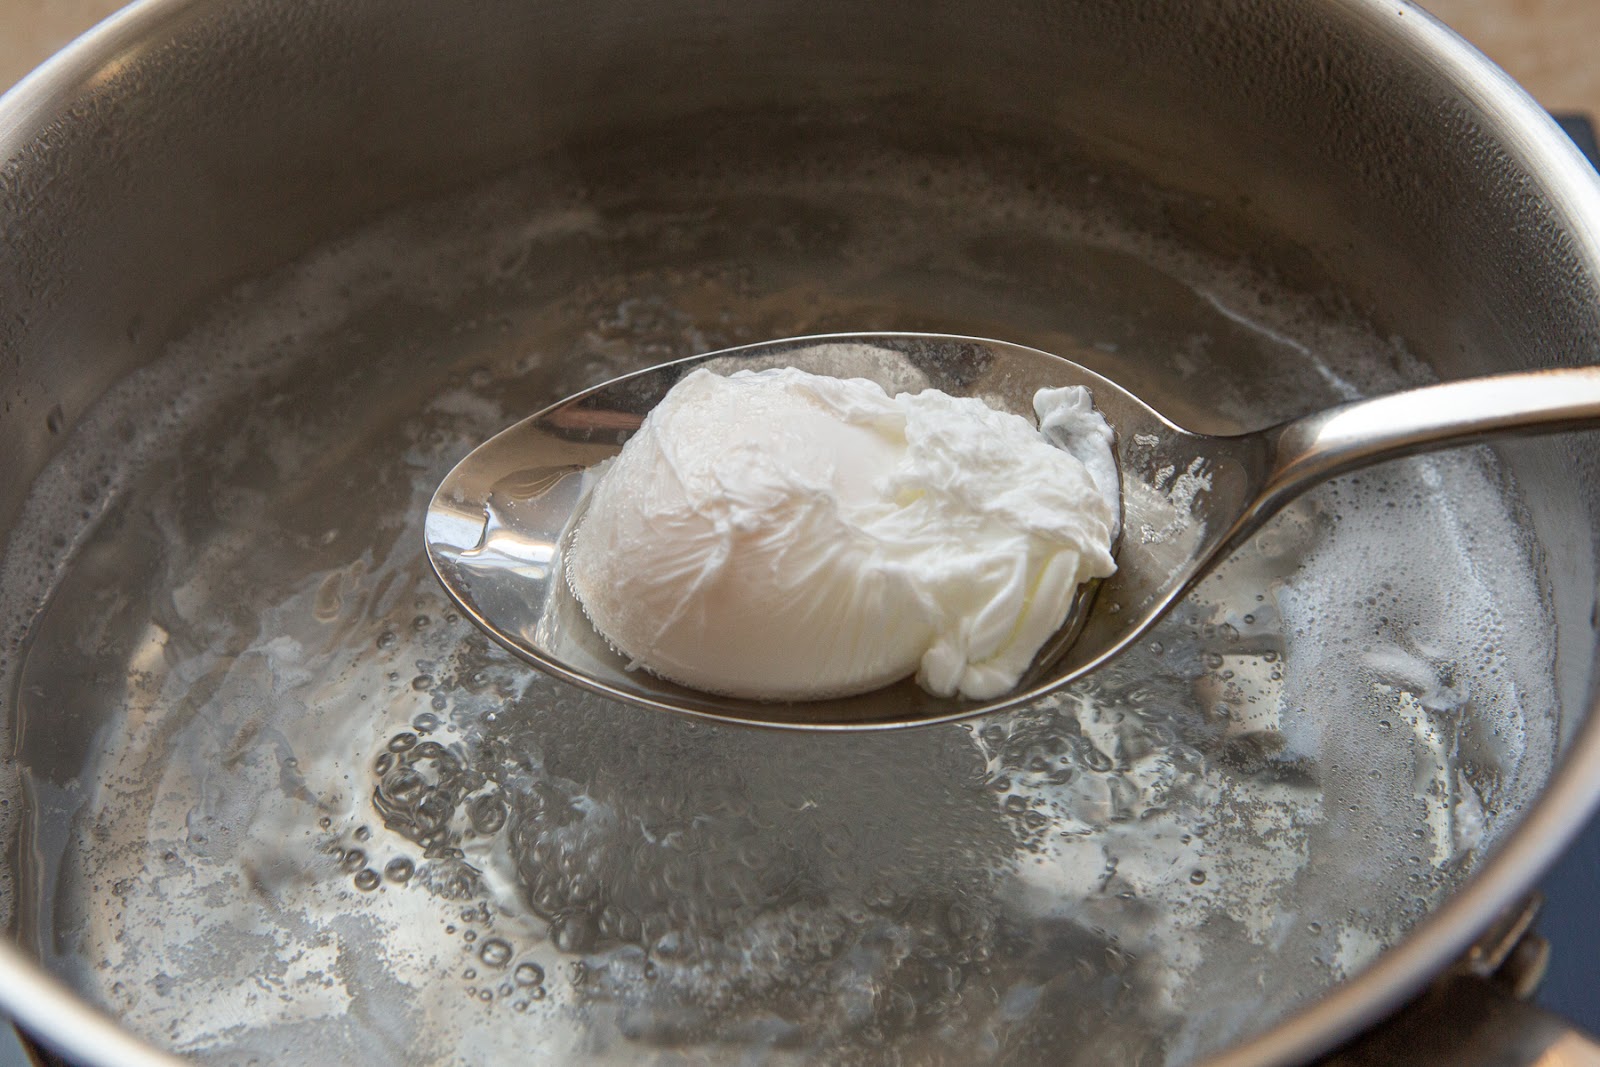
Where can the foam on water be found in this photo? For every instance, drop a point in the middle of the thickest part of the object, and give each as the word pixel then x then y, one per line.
pixel 321 816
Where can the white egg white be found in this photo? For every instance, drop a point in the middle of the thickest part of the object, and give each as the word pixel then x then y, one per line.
pixel 777 535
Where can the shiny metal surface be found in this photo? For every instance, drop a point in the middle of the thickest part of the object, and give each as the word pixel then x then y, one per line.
pixel 497 525
pixel 1354 145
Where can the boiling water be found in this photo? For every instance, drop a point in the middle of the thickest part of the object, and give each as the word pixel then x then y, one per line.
pixel 323 819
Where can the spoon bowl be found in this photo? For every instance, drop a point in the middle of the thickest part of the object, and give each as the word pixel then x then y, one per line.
pixel 495 530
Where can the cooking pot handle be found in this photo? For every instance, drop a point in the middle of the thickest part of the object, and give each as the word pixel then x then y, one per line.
pixel 1478 1014
pixel 1467 1021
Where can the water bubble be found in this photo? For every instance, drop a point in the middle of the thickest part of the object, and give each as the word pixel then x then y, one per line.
pixel 422 683
pixel 496 952
pixel 528 974
pixel 421 622
pixel 402 785
pixel 434 810
pixel 1197 877
pixel 425 723
pixel 488 813
pixel 353 860
pixel 367 880
pixel 573 932
pixel 363 833
pixel 401 742
pixel 399 869
pixel 388 639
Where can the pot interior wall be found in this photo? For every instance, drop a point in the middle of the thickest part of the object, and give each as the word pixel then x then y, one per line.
pixel 215 140
pixel 212 143
pixel 235 135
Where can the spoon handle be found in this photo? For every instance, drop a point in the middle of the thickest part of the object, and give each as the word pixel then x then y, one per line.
pixel 1308 450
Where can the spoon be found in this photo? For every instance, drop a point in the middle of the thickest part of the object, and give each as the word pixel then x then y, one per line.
pixel 495 527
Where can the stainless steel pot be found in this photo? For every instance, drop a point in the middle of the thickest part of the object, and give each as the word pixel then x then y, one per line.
pixel 1353 146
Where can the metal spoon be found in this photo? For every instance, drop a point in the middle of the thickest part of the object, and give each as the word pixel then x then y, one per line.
pixel 495 526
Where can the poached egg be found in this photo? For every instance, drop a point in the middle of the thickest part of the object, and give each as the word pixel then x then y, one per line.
pixel 780 535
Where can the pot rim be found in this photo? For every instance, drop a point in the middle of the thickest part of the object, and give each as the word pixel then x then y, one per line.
pixel 56 1015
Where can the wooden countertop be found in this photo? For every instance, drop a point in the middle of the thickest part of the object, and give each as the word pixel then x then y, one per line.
pixel 1550 46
